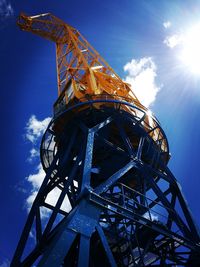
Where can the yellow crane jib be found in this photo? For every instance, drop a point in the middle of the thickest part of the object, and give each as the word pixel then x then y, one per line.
pixel 81 72
pixel 77 60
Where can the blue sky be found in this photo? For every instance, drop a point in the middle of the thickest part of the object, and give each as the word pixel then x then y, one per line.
pixel 142 41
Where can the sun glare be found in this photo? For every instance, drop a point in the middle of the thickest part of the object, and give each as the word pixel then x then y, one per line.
pixel 190 53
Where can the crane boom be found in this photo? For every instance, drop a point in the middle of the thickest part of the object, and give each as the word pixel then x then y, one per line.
pixel 81 72
pixel 77 61
pixel 115 202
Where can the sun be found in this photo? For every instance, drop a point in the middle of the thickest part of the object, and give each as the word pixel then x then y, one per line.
pixel 190 51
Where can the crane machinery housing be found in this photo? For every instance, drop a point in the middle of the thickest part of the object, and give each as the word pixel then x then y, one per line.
pixel 105 155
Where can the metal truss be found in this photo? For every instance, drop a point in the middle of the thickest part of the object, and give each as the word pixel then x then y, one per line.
pixel 108 198
pixel 76 59
pixel 117 203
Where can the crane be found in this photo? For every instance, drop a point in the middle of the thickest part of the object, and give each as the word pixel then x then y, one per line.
pixel 81 71
pixel 77 61
pixel 105 155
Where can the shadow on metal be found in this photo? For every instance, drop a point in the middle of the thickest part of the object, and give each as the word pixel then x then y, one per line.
pixel 116 201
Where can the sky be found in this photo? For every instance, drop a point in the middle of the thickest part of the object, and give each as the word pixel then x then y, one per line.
pixel 153 45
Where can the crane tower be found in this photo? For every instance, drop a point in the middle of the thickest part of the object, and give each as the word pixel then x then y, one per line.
pixel 105 157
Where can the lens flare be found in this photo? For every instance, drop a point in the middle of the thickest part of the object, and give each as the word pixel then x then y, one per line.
pixel 190 52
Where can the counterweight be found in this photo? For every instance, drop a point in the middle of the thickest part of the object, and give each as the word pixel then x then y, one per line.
pixel 105 156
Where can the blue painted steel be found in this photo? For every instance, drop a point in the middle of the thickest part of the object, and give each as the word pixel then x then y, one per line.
pixel 88 160
pixel 114 178
pixel 106 246
pixel 105 163
pixel 84 251
pixel 55 254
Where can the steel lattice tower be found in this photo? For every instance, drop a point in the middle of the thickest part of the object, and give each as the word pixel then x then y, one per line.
pixel 106 156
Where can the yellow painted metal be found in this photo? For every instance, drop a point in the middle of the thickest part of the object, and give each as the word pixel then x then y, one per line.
pixel 77 60
pixel 80 66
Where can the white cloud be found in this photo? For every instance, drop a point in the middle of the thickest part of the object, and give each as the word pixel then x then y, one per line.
pixel 141 76
pixel 30 199
pixel 150 216
pixel 173 40
pixel 34 131
pixel 34 153
pixel 6 10
pixel 35 128
pixel 36 180
pixel 167 24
